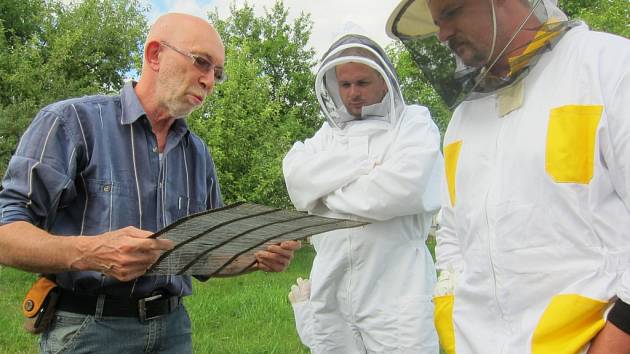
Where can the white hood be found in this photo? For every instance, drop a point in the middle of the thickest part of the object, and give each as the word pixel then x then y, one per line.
pixel 327 89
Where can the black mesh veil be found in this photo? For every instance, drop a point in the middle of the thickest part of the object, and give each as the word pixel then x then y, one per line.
pixel 455 82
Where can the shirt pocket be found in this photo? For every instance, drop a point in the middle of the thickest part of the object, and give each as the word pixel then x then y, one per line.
pixel 570 149
pixel 110 206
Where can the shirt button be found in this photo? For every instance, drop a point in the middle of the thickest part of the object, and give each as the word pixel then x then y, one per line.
pixel 107 188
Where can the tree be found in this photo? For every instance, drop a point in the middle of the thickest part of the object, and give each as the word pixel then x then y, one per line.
pixel 415 87
pixel 52 50
pixel 20 18
pixel 268 102
pixel 602 15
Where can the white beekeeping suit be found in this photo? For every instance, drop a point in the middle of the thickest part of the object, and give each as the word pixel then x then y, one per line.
pixel 534 244
pixel 371 286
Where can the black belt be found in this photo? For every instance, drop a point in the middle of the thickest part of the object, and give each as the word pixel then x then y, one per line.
pixel 143 308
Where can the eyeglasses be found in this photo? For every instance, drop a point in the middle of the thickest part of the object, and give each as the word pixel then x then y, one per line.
pixel 204 65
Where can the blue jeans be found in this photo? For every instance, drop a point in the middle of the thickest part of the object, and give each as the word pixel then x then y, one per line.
pixel 76 333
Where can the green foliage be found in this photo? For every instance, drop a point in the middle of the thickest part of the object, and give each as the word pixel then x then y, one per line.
pixel 20 19
pixel 267 104
pixel 611 16
pixel 51 50
pixel 416 89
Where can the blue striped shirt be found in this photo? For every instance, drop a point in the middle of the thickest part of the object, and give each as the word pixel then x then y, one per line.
pixel 91 165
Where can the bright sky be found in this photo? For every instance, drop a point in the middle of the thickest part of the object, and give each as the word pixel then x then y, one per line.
pixel 330 17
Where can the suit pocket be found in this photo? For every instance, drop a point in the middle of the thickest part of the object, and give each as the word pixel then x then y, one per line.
pixel 568 323
pixel 571 136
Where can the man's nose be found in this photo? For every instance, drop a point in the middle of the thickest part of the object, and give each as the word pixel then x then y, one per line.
pixel 207 80
pixel 445 32
pixel 354 91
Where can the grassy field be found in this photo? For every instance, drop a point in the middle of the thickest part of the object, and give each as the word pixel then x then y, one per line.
pixel 247 314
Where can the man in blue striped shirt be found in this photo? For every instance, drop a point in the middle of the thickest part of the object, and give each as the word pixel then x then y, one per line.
pixel 93 177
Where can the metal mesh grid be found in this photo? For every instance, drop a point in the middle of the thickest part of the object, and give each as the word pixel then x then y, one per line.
pixel 207 243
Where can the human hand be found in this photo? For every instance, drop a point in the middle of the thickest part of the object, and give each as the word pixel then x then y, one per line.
pixel 300 292
pixel 610 340
pixel 124 254
pixel 276 258
pixel 446 283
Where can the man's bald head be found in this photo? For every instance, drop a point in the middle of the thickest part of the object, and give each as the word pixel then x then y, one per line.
pixel 185 31
pixel 182 54
pixel 182 29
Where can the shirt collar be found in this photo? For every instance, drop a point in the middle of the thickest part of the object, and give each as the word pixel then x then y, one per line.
pixel 180 127
pixel 132 110
pixel 131 107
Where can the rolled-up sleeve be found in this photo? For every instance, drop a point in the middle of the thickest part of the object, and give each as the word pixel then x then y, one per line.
pixel 38 178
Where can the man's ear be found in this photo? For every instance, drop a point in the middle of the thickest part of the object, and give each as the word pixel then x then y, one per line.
pixel 152 55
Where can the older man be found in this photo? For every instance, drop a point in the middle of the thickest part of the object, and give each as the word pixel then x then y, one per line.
pixel 93 177
pixel 536 204
pixel 374 159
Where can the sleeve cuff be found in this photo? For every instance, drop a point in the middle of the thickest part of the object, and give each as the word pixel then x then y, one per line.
pixel 619 315
pixel 10 214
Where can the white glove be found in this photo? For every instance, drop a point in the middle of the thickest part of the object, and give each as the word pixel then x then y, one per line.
pixel 300 292
pixel 446 283
pixel 302 310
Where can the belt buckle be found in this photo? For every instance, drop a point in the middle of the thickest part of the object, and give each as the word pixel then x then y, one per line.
pixel 142 307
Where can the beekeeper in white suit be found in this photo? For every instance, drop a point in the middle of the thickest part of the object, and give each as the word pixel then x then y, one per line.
pixel 375 159
pixel 535 232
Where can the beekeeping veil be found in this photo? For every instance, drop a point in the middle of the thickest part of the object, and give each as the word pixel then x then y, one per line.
pixel 354 48
pixel 411 22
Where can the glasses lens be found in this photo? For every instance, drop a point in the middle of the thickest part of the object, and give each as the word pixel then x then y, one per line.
pixel 202 64
pixel 205 65
pixel 219 75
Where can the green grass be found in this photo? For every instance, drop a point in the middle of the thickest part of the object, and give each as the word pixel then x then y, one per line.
pixel 246 314
pixel 13 286
pixel 250 313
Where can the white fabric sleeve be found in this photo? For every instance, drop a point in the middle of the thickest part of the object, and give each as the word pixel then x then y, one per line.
pixel 304 317
pixel 448 255
pixel 312 169
pixel 405 183
pixel 618 114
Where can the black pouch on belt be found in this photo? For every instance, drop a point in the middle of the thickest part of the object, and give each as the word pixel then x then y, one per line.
pixel 39 305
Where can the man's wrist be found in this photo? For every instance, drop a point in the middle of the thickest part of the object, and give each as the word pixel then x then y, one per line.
pixel 619 315
pixel 76 248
